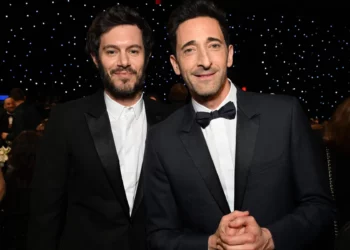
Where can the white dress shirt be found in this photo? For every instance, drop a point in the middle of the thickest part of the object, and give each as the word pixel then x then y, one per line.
pixel 220 136
pixel 129 128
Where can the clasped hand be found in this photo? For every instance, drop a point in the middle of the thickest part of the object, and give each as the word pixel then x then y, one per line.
pixel 240 231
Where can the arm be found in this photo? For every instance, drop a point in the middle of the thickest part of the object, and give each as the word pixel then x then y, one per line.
pixel 163 221
pixel 25 119
pixel 17 127
pixel 314 211
pixel 2 185
pixel 48 194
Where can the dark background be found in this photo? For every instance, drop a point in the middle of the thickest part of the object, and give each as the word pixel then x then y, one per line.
pixel 298 48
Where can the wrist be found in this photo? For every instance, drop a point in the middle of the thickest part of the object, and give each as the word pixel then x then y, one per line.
pixel 269 241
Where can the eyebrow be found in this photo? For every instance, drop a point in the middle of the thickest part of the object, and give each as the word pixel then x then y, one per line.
pixel 193 42
pixel 110 46
pixel 213 39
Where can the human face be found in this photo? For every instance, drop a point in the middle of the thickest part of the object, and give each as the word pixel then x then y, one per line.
pixel 202 58
pixel 121 61
pixel 9 105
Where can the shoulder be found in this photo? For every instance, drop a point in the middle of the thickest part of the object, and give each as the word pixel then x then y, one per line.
pixel 267 103
pixel 156 111
pixel 171 125
pixel 72 113
pixel 268 99
pixel 76 106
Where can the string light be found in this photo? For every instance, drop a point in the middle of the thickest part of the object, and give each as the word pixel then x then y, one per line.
pixel 281 54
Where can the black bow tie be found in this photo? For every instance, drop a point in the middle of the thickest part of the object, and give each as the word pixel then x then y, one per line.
pixel 227 111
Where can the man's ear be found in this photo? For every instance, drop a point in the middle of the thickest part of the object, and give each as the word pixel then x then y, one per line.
pixel 230 56
pixel 175 65
pixel 94 59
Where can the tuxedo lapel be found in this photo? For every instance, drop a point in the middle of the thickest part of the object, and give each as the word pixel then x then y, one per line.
pixel 152 118
pixel 247 129
pixel 139 195
pixel 101 132
pixel 194 142
pixel 139 191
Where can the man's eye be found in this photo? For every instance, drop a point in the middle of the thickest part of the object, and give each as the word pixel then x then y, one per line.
pixel 186 51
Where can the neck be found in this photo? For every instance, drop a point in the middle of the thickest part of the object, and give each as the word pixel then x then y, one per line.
pixel 127 101
pixel 212 102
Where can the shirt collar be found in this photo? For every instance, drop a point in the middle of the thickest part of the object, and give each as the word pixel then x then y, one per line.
pixel 231 97
pixel 116 109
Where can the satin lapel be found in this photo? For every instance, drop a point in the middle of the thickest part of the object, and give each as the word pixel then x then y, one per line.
pixel 155 112
pixel 139 195
pixel 139 191
pixel 194 142
pixel 101 132
pixel 247 129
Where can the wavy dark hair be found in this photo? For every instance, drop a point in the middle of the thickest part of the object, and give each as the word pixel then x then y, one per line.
pixel 196 8
pixel 17 94
pixel 337 130
pixel 112 17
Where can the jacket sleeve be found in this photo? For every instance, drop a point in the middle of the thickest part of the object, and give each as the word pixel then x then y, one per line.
pixel 49 186
pixel 315 209
pixel 163 222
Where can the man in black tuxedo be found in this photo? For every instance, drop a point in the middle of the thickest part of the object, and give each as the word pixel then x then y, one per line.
pixel 25 117
pixel 86 191
pixel 232 169
pixel 6 118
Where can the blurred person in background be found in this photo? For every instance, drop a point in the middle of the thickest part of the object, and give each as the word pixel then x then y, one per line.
pixel 26 116
pixel 6 118
pixel 336 135
pixel 178 95
pixel 22 159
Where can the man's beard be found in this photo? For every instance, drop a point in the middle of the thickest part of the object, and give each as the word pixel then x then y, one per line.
pixel 117 92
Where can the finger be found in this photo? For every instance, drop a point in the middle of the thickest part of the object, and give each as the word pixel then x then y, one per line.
pixel 222 245
pixel 218 247
pixel 235 214
pixel 246 238
pixel 230 231
pixel 227 218
pixel 243 221
pixel 237 247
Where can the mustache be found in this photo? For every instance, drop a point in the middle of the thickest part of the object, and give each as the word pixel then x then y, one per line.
pixel 123 69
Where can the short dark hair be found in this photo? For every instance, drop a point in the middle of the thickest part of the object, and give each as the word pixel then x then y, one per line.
pixel 196 8
pixel 17 94
pixel 112 17
pixel 178 93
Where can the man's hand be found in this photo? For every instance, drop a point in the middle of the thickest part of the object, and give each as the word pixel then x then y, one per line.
pixel 253 237
pixel 224 229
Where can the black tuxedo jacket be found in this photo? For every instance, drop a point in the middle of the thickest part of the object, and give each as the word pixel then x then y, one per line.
pixel 278 177
pixel 78 199
pixel 26 117
pixel 4 122
pixel 4 125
